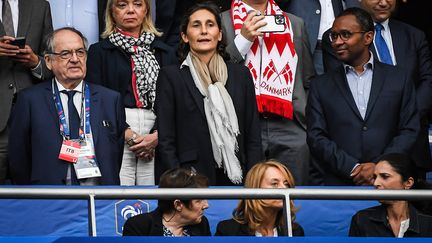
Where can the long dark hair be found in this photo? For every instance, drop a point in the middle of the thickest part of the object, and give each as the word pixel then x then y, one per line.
pixel 184 48
pixel 405 167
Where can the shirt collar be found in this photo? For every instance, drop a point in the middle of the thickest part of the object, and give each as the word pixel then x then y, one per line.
pixel 381 216
pixel 78 88
pixel 368 65
pixel 385 24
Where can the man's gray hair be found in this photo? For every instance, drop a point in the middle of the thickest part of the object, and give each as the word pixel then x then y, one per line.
pixel 50 39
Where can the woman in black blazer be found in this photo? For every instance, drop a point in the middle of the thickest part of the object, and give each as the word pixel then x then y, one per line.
pixel 173 217
pixel 262 217
pixel 394 218
pixel 206 108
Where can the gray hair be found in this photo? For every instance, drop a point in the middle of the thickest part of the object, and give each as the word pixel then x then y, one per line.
pixel 50 39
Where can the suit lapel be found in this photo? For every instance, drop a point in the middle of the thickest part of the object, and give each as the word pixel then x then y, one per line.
pixel 2 31
pixel 95 116
pixel 25 9
pixel 342 84
pixel 398 42
pixel 196 95
pixel 50 103
pixel 378 79
pixel 337 7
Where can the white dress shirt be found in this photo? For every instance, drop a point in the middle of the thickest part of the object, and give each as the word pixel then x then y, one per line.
pixel 327 17
pixel 80 14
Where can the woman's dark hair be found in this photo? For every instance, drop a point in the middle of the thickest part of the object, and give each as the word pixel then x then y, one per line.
pixel 402 164
pixel 363 18
pixel 405 167
pixel 184 48
pixel 180 178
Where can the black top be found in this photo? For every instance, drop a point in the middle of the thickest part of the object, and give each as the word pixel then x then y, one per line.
pixel 373 222
pixel 150 224
pixel 231 227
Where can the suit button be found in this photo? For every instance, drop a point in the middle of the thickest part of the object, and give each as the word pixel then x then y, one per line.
pixel 318 11
pixel 364 128
pixel 10 86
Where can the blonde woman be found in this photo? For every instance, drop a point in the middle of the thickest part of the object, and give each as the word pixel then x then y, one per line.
pixel 262 217
pixel 128 61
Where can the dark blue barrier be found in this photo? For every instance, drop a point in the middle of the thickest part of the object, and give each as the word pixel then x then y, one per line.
pixel 209 239
pixel 69 217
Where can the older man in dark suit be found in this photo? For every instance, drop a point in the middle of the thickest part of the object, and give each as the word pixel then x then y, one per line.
pixel 66 131
pixel 404 46
pixel 361 109
pixel 20 67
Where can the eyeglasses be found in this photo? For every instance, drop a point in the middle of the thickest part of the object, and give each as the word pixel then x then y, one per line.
pixel 344 35
pixel 67 54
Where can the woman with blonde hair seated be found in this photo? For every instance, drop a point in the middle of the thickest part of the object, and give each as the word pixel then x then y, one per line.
pixel 262 217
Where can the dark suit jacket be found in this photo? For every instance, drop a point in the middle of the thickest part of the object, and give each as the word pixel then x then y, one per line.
pixel 35 140
pixel 413 55
pixel 34 23
pixel 184 138
pixel 231 227
pixel 337 135
pixel 305 68
pixel 373 222
pixel 150 224
pixel 101 16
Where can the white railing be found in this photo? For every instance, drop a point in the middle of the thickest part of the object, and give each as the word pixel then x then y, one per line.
pixel 92 193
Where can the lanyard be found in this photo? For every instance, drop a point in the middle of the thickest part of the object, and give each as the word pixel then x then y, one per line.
pixel 64 127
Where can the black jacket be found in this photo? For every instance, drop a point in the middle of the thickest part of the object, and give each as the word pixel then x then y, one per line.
pixel 231 227
pixel 150 224
pixel 184 138
pixel 372 222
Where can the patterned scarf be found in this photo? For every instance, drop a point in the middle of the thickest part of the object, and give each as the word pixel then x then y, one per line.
pixel 146 67
pixel 272 63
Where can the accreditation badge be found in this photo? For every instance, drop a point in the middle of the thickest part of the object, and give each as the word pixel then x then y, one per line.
pixel 70 150
pixel 86 166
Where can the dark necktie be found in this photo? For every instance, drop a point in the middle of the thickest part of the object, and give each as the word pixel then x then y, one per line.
pixel 74 119
pixel 382 48
pixel 7 19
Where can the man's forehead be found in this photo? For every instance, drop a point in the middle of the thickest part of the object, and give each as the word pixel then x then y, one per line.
pixel 67 38
pixel 346 22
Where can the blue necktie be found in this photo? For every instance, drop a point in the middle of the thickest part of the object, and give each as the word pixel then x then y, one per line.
pixel 383 50
pixel 74 119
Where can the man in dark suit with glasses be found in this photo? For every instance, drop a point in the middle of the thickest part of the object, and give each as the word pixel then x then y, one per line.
pixel 359 110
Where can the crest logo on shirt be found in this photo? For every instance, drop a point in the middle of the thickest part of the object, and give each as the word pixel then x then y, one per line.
pixel 125 209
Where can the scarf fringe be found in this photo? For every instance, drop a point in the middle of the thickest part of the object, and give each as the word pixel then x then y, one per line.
pixel 274 105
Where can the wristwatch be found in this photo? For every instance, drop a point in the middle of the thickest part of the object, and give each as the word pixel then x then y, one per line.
pixel 130 141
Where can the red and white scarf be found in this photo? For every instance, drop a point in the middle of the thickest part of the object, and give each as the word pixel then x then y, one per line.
pixel 272 63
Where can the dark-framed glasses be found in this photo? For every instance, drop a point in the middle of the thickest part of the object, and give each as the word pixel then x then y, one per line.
pixel 67 54
pixel 344 35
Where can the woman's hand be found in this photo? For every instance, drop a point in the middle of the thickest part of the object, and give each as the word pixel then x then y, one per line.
pixel 144 146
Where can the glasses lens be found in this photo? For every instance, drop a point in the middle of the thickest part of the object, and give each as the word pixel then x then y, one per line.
pixel 80 52
pixel 65 54
pixel 345 35
pixel 333 36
